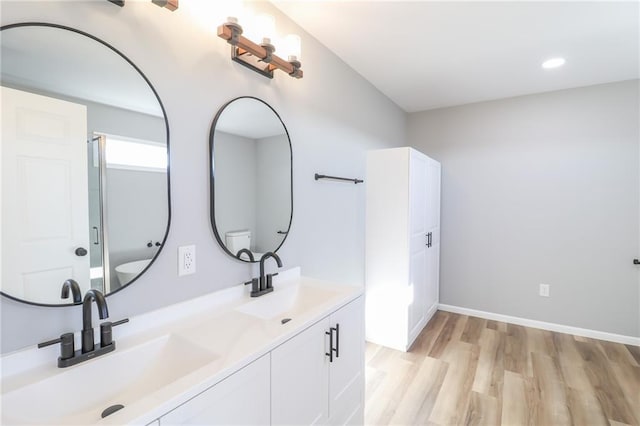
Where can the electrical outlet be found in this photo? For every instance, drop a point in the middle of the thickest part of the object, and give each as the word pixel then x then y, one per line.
pixel 186 260
pixel 544 290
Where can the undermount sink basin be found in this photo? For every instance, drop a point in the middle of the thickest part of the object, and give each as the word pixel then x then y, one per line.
pixel 79 394
pixel 286 302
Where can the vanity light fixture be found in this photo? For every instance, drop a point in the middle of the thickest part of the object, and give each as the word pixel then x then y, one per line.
pixel 172 5
pixel 260 57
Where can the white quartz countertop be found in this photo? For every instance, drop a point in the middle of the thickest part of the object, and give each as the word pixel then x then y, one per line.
pixel 219 333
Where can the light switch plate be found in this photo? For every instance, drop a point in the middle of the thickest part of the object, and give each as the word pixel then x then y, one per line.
pixel 544 290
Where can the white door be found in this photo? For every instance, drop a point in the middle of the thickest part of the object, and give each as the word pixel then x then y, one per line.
pixel 346 378
pixel 44 212
pixel 240 399
pixel 300 378
pixel 418 190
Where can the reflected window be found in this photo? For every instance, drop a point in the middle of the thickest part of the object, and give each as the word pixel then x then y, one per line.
pixel 135 154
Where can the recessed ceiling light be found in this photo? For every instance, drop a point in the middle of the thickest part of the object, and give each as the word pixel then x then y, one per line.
pixel 553 63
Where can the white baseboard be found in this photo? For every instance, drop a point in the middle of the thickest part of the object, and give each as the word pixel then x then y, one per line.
pixel 583 332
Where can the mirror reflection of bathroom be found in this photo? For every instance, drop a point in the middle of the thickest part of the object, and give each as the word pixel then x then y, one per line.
pixel 91 151
pixel 119 167
pixel 252 179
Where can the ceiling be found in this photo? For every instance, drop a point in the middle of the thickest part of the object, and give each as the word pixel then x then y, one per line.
pixel 425 55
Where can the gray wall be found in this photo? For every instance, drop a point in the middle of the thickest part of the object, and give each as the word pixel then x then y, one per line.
pixel 137 213
pixel 253 187
pixel 274 191
pixel 541 189
pixel 194 76
pixel 235 180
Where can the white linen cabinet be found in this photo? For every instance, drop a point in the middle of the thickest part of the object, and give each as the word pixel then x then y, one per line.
pixel 402 245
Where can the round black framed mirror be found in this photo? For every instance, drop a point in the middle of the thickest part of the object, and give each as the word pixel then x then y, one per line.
pixel 85 173
pixel 251 181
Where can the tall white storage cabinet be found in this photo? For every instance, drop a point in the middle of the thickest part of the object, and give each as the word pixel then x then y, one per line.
pixel 402 245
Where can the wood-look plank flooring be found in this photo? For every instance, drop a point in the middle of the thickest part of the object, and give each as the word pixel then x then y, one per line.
pixel 471 371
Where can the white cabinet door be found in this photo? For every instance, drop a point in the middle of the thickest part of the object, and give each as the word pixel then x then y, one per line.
pixel 300 378
pixel 418 208
pixel 433 272
pixel 44 190
pixel 433 227
pixel 433 194
pixel 346 372
pixel 240 399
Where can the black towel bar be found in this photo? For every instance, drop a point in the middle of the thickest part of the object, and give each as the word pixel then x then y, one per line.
pixel 356 181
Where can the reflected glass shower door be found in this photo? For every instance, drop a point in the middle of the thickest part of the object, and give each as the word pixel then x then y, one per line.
pixel 99 280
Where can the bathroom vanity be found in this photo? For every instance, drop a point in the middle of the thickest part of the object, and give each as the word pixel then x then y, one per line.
pixel 294 356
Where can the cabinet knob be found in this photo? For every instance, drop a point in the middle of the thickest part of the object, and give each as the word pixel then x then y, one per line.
pixel 81 251
pixel 636 262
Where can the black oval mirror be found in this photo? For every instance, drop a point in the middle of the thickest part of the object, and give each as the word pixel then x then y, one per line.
pixel 251 179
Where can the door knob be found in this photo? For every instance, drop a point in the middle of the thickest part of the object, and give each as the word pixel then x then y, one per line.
pixel 81 251
pixel 636 262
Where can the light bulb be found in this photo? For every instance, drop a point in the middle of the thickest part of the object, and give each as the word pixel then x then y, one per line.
pixel 292 47
pixel 233 11
pixel 265 27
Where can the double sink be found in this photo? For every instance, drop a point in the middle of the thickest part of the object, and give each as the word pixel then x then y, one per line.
pixel 156 369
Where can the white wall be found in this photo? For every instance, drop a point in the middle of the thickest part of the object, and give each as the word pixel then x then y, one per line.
pixel 541 189
pixel 333 117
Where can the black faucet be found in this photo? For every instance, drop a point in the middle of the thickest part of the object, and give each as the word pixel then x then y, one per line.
pixel 75 290
pixel 247 252
pixel 266 281
pixel 69 356
pixel 87 328
pixel 264 284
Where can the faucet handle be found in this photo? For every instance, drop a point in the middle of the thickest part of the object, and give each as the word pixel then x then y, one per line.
pixel 67 347
pixel 255 285
pixel 270 280
pixel 106 334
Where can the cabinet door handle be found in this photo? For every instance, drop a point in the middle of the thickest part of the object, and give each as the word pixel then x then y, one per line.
pixel 337 348
pixel 330 353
